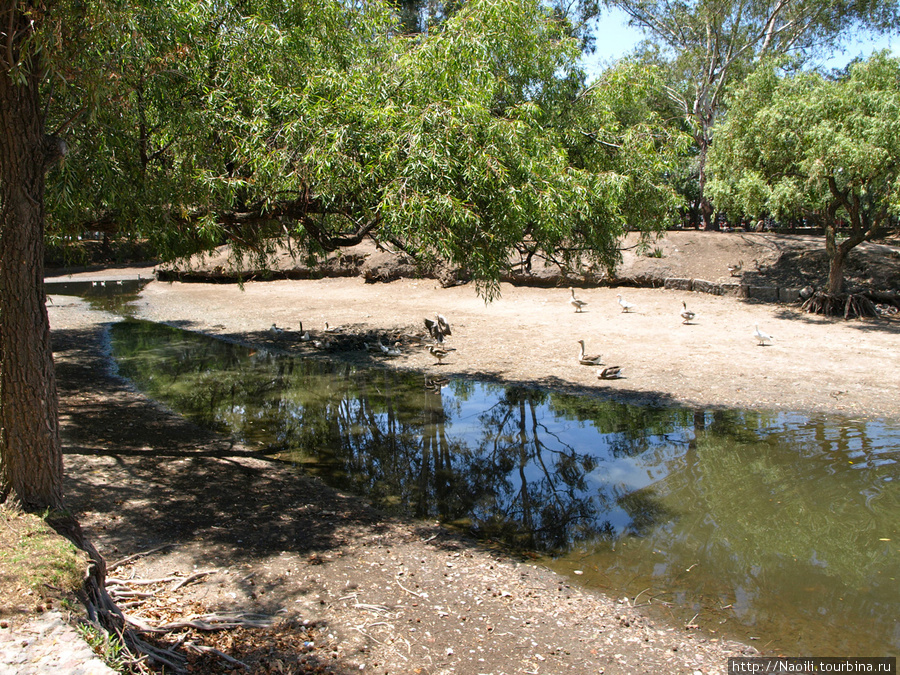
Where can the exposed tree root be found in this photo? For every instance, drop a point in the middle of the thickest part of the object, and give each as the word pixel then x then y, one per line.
pixel 105 615
pixel 850 305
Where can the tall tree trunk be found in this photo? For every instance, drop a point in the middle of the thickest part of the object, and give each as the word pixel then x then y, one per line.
pixel 707 213
pixel 30 450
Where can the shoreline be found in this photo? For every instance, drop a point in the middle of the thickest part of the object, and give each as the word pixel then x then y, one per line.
pixel 815 364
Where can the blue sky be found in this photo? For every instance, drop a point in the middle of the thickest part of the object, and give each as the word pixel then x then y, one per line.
pixel 615 38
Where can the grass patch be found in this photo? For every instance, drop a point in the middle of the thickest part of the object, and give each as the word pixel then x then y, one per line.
pixel 108 648
pixel 37 566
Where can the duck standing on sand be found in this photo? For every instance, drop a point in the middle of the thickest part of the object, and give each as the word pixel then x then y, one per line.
pixel 626 306
pixel 762 337
pixel 575 302
pixel 687 314
pixel 438 353
pixel 587 360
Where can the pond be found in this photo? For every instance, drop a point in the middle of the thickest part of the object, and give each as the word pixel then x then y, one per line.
pixel 110 295
pixel 774 526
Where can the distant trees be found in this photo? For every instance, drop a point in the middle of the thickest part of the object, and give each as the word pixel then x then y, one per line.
pixel 803 144
pixel 711 44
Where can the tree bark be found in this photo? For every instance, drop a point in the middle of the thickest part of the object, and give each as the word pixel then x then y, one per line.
pixel 836 272
pixel 30 451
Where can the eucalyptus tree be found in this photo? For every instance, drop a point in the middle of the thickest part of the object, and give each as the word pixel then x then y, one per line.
pixel 806 145
pixel 710 44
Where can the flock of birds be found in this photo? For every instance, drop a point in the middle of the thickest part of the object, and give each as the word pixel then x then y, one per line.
pixel 438 329
pixel 687 317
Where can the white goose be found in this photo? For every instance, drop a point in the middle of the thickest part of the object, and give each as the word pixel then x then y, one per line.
pixel 588 360
pixel 575 302
pixel 762 337
pixel 626 306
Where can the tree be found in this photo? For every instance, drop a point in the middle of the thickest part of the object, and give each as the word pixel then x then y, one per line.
pixel 458 144
pixel 193 124
pixel 197 123
pixel 30 451
pixel 711 44
pixel 804 145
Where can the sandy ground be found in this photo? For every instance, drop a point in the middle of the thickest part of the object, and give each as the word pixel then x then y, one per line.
pixel 530 335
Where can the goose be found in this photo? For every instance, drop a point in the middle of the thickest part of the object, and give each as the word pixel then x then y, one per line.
pixel 626 306
pixel 575 302
pixel 438 353
pixel 735 268
pixel 610 373
pixel 587 360
pixel 395 351
pixel 687 314
pixel 275 329
pixel 762 337
pixel 443 324
pixel 381 347
pixel 438 327
pixel 332 329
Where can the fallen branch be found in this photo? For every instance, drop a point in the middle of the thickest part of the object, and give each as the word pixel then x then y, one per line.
pixel 114 581
pixel 206 622
pixel 125 561
pixel 203 649
pixel 188 579
pixel 130 594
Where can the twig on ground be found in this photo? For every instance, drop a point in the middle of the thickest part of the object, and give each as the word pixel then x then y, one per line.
pixel 128 559
pixel 188 579
pixel 200 649
pixel 418 595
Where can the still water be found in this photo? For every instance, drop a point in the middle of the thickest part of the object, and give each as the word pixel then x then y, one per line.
pixel 110 295
pixel 774 526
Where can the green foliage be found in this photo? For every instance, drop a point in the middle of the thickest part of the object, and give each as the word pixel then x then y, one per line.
pixel 803 144
pixel 826 149
pixel 709 45
pixel 242 122
pixel 108 647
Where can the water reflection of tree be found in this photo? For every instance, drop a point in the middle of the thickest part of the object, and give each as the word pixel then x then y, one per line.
pixel 531 484
pixel 382 433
